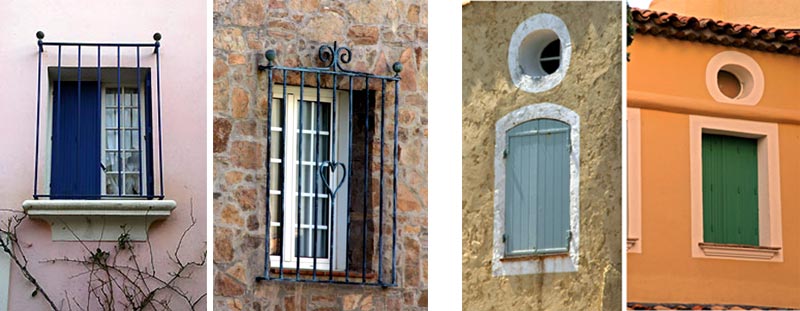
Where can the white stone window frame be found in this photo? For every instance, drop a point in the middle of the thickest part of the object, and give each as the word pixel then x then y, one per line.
pixel 770 247
pixel 557 263
pixel 528 28
pixel 746 70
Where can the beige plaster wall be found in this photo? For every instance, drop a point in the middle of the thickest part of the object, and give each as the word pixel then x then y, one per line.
pixel 591 88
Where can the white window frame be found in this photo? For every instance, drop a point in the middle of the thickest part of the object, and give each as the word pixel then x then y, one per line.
pixel 339 235
pixel 142 135
pixel 555 263
pixel 769 191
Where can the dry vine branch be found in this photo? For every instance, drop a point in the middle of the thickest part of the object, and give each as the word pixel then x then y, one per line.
pixel 111 284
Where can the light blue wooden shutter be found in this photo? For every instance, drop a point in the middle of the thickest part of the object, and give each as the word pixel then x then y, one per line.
pixel 537 188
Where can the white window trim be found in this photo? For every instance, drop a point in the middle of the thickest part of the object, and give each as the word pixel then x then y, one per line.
pixel 142 135
pixel 745 68
pixel 634 240
pixel 536 264
pixel 520 78
pixel 769 195
pixel 339 236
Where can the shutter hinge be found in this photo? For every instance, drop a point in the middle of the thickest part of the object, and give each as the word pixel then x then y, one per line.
pixel 569 238
pixel 505 153
pixel 505 237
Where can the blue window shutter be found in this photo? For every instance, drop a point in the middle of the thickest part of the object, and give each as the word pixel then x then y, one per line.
pixel 537 187
pixel 76 165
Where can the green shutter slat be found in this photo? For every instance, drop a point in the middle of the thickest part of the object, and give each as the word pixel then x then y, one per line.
pixel 730 189
pixel 537 187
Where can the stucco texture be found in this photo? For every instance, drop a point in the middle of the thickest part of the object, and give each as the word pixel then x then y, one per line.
pixel 665 270
pixel 591 87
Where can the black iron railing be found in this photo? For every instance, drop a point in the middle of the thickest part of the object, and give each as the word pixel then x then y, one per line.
pixel 117 132
pixel 341 165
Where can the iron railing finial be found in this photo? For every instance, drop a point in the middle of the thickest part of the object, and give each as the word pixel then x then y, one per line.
pixel 157 37
pixel 40 36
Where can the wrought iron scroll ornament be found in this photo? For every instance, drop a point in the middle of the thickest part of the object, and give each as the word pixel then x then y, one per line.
pixel 332 57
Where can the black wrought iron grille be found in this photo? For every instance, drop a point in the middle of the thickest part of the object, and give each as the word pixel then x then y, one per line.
pixel 100 123
pixel 331 172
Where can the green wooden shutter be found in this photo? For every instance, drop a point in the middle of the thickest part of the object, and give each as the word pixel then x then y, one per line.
pixel 537 188
pixel 730 190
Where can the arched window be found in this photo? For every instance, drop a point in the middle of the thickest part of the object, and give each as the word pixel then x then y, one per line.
pixel 536 191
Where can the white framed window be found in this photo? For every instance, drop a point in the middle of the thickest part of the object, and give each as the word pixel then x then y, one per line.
pixel 756 149
pixel 317 133
pixel 123 145
pixel 539 53
pixel 537 182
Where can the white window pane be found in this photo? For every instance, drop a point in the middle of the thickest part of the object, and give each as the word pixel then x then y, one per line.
pixel 111 184
pixel 132 184
pixel 111 139
pixel 131 160
pixel 111 161
pixel 111 117
pixel 111 97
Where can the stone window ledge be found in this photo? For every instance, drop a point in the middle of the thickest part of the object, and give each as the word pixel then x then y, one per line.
pixel 739 251
pixel 98 220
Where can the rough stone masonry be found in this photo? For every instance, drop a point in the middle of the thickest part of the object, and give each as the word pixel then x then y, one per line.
pixel 378 33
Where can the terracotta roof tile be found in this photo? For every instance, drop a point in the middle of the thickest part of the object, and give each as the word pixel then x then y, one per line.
pixel 672 25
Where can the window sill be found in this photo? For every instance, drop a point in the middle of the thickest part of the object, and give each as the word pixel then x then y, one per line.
pixel 321 273
pixel 98 220
pixel 739 251
pixel 529 257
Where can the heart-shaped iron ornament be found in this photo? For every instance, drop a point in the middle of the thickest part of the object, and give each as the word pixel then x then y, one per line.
pixel 330 165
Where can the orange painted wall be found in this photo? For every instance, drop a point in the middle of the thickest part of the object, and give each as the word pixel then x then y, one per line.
pixel 665 271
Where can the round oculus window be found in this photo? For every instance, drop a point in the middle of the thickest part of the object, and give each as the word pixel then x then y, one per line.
pixel 539 53
pixel 729 84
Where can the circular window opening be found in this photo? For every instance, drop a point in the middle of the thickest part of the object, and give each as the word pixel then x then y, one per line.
pixel 729 84
pixel 540 53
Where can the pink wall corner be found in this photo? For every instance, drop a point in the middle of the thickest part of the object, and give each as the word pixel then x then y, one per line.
pixel 183 70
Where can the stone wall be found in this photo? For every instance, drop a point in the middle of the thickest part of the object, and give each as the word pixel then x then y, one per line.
pixel 378 33
pixel 591 88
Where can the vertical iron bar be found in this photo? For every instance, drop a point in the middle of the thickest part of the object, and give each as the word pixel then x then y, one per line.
pixel 119 126
pixel 394 181
pixel 139 117
pixel 314 218
pixel 366 181
pixel 100 111
pixel 349 175
pixel 58 101
pixel 160 138
pixel 283 170
pixel 38 113
pixel 269 171
pixel 331 198
pixel 77 171
pixel 299 174
pixel 380 199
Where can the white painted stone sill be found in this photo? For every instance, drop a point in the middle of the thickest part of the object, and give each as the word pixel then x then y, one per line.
pixel 98 220
pixel 739 251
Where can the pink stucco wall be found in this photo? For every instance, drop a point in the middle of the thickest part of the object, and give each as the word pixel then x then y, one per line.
pixel 183 63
